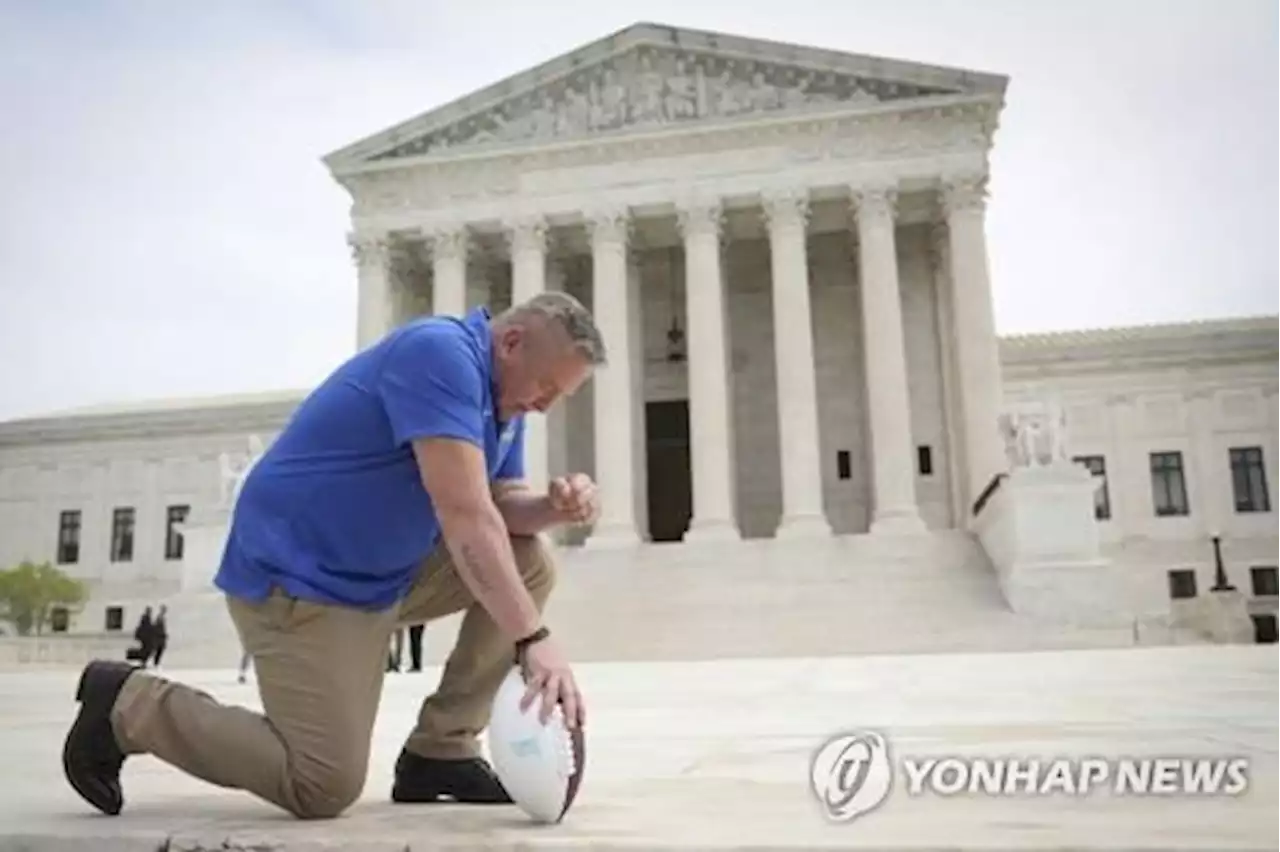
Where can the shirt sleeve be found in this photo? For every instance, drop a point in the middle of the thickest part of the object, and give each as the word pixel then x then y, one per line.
pixel 432 386
pixel 512 466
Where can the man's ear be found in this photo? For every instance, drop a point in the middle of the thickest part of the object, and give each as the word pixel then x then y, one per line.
pixel 509 339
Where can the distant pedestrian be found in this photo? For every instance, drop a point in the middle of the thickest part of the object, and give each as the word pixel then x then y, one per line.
pixel 415 647
pixel 144 633
pixel 159 635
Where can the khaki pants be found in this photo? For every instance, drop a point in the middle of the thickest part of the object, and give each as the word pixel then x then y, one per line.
pixel 319 672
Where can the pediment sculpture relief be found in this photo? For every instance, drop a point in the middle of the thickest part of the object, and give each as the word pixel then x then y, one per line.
pixel 651 87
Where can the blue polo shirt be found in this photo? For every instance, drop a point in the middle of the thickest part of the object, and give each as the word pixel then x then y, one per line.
pixel 335 511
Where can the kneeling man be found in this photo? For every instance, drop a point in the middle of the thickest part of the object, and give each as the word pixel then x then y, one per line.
pixel 393 496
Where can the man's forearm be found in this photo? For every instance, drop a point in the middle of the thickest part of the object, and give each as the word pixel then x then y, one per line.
pixel 480 544
pixel 526 512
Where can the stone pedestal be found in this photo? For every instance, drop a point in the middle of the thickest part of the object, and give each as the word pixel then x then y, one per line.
pixel 204 535
pixel 1039 531
pixel 201 632
pixel 1219 615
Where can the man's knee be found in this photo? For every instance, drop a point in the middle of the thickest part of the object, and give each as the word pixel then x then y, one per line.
pixel 534 560
pixel 324 791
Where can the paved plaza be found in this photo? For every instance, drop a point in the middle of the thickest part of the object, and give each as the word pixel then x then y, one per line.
pixel 716 755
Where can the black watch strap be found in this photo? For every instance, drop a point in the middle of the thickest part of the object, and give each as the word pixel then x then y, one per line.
pixel 536 636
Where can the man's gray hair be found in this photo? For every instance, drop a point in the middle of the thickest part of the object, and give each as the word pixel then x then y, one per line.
pixel 571 316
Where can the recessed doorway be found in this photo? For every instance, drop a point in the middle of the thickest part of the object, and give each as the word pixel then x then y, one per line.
pixel 670 483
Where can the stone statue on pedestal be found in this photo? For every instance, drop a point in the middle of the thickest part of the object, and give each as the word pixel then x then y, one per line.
pixel 231 478
pixel 1036 436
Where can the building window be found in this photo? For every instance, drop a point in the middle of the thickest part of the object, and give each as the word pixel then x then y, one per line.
pixel 1249 480
pixel 122 534
pixel 1097 465
pixel 844 466
pixel 115 619
pixel 1182 583
pixel 1264 580
pixel 174 516
pixel 59 619
pixel 1168 484
pixel 69 537
pixel 924 460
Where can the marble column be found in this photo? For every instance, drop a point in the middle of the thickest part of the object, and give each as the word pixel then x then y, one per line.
pixel 1128 477
pixel 710 407
pixel 639 461
pixel 1207 473
pixel 527 241
pixel 889 410
pixel 976 347
pixel 449 269
pixel 558 417
pixel 613 395
pixel 374 304
pixel 953 424
pixel 1271 445
pixel 786 214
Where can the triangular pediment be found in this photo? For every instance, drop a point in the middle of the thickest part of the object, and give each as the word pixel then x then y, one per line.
pixel 650 77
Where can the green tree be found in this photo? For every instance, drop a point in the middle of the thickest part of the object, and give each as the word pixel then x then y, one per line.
pixel 30 592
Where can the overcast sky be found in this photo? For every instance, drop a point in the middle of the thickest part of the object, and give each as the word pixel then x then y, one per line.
pixel 167 228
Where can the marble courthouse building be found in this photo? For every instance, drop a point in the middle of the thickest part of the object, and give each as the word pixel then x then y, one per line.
pixel 785 250
pixel 769 236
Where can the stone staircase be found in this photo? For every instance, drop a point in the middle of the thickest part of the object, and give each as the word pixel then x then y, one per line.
pixel 839 596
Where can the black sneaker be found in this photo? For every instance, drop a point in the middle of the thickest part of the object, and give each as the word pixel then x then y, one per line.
pixel 469 781
pixel 91 757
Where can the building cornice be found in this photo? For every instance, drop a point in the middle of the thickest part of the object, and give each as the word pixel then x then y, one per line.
pixel 1171 345
pixel 913 141
pixel 818 120
pixel 149 423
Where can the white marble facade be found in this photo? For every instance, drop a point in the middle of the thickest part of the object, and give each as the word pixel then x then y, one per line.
pixel 796 216
pixel 785 249
pixel 722 371
pixel 1201 389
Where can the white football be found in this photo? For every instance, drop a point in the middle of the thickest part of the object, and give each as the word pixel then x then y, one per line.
pixel 540 765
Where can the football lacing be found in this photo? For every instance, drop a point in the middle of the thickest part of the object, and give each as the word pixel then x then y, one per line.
pixel 564 744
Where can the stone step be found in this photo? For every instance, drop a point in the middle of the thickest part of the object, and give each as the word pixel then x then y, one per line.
pixel 759 598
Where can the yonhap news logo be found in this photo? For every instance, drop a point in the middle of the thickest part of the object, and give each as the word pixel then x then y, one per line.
pixel 852 774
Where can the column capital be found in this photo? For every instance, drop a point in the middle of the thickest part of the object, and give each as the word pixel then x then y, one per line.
pixel 700 217
pixel 609 224
pixel 370 249
pixel 964 193
pixel 447 240
pixel 875 201
pixel 526 233
pixel 785 207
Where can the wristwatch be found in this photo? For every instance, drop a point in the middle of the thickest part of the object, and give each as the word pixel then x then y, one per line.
pixel 522 645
